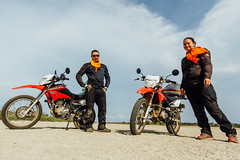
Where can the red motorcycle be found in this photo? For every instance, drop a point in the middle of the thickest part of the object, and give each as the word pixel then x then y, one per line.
pixel 24 111
pixel 157 104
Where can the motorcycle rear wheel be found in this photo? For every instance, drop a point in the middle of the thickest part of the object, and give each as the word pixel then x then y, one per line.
pixel 79 120
pixel 136 121
pixel 173 126
pixel 13 110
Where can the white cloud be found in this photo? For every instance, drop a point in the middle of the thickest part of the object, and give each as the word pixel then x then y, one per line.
pixel 220 33
pixel 126 30
pixel 41 36
pixel 121 116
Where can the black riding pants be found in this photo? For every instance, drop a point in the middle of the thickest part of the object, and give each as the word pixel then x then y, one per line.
pixel 98 96
pixel 200 97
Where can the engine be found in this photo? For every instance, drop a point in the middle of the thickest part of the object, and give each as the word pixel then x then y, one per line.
pixel 157 113
pixel 60 109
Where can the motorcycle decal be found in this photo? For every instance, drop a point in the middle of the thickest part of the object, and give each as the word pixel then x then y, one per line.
pixel 173 91
pixel 57 88
pixel 176 103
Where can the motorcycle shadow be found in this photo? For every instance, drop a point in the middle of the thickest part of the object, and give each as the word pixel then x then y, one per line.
pixel 219 140
pixel 127 132
pixel 60 128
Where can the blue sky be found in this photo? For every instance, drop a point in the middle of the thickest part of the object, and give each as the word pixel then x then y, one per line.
pixel 186 14
pixel 38 37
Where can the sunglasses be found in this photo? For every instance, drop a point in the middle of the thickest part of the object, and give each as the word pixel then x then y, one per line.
pixel 95 55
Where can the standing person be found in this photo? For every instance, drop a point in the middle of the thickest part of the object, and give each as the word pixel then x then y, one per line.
pixel 196 83
pixel 96 72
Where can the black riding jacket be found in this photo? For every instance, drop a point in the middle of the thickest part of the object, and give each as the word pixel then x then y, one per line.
pixel 96 79
pixel 196 72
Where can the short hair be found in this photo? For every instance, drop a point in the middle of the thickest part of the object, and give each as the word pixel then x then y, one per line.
pixel 94 51
pixel 192 39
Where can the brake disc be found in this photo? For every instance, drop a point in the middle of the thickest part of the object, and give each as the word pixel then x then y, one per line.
pixel 21 111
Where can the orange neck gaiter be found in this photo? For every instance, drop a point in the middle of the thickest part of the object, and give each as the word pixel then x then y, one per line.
pixel 192 56
pixel 96 64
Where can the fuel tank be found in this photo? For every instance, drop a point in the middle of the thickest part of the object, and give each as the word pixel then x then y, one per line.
pixel 172 92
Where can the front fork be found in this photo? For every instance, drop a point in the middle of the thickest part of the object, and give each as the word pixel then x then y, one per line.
pixel 37 100
pixel 148 107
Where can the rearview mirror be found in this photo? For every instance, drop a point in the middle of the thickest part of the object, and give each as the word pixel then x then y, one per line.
pixel 175 72
pixel 138 71
pixel 67 70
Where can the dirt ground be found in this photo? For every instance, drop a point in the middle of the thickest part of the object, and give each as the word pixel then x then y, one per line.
pixel 50 141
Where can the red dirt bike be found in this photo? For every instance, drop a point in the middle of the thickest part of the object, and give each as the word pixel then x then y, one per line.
pixel 24 111
pixel 157 104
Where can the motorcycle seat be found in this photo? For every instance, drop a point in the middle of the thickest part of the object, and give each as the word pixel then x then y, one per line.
pixel 172 87
pixel 78 96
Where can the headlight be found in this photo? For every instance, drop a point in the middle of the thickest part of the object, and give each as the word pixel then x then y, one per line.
pixel 46 79
pixel 151 81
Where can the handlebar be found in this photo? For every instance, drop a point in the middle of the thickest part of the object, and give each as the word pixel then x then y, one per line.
pixel 161 80
pixel 141 78
pixel 62 77
pixel 168 80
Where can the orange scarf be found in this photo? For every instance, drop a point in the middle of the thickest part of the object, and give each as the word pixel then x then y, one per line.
pixel 192 56
pixel 96 64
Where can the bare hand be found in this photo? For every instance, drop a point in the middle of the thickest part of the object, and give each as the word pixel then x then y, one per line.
pixel 182 91
pixel 207 82
pixel 89 87
pixel 104 90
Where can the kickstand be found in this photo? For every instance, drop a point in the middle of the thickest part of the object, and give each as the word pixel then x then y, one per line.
pixel 68 123
pixel 173 130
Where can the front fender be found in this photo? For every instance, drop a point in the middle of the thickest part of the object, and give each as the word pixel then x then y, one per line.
pixel 144 90
pixel 30 86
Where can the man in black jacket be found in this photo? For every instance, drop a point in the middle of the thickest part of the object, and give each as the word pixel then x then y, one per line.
pixel 96 72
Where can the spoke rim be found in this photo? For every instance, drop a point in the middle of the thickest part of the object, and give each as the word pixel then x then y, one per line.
pixel 17 108
pixel 140 115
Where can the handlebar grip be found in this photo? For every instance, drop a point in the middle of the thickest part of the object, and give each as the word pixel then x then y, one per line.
pixel 141 79
pixel 174 82
pixel 167 80
pixel 67 79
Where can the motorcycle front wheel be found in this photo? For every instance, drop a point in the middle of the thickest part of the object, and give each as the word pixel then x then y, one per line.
pixel 14 109
pixel 174 123
pixel 136 121
pixel 84 116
